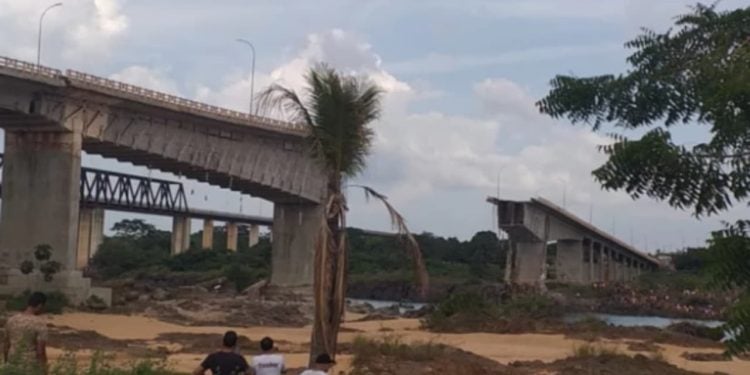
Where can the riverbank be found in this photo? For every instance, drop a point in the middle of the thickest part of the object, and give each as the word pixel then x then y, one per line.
pixel 183 347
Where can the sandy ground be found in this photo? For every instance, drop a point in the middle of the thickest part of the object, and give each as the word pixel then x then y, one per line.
pixel 502 348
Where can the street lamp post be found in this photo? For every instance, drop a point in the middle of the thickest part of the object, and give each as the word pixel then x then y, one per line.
pixel 39 41
pixel 252 73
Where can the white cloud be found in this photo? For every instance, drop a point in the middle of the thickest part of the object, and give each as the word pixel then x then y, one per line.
pixel 81 33
pixel 442 63
pixel 147 77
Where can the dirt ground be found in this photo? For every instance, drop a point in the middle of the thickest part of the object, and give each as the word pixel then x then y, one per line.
pixel 184 346
pixel 455 361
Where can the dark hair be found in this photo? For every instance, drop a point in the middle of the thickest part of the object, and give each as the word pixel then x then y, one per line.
pixel 37 299
pixel 266 344
pixel 230 339
pixel 324 359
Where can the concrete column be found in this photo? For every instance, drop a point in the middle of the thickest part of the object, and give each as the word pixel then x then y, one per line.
pixel 232 236
pixel 570 265
pixel 180 234
pixel 90 235
pixel 598 265
pixel 253 235
pixel 529 256
pixel 617 271
pixel 607 264
pixel 207 242
pixel 510 259
pixel 41 194
pixel 295 231
pixel 629 263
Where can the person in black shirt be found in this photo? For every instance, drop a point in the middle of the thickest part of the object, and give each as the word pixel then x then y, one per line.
pixel 226 361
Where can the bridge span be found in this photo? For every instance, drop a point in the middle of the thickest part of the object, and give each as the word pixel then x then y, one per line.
pixel 549 242
pixel 50 117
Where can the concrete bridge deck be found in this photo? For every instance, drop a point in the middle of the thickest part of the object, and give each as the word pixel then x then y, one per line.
pixel 576 251
pixel 51 117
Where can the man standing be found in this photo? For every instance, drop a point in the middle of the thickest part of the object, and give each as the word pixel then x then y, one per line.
pixel 26 334
pixel 226 361
pixel 323 363
pixel 268 363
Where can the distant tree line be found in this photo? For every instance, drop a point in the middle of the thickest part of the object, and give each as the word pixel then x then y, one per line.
pixel 136 245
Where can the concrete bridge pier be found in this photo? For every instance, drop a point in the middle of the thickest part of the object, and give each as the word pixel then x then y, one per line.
pixel 295 231
pixel 253 235
pixel 180 234
pixel 207 240
pixel 232 236
pixel 90 235
pixel 41 187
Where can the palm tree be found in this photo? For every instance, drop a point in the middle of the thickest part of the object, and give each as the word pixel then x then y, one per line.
pixel 337 110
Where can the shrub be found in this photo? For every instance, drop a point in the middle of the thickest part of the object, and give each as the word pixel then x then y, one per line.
pixel 98 365
pixel 391 346
pixel 118 255
pixel 533 306
pixel 200 260
pixel 713 334
pixel 590 350
pixel 461 311
pixel 56 301
pixel 240 276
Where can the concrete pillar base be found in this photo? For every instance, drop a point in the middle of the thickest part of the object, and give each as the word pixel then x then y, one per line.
pixel 295 230
pixel 71 283
pixel 207 242
pixel 180 234
pixel 253 235
pixel 232 236
pixel 90 235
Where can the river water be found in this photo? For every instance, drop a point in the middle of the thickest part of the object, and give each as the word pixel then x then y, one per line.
pixel 611 319
pixel 636 321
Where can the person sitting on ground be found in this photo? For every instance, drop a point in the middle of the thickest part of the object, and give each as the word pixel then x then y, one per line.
pixel 226 361
pixel 268 363
pixel 323 363
pixel 26 334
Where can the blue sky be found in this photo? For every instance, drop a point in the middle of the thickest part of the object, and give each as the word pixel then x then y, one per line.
pixel 461 78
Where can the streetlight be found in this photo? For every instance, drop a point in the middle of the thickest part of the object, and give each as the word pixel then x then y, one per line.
pixel 252 74
pixel 39 42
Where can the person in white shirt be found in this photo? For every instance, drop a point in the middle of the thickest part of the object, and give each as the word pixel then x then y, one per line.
pixel 268 363
pixel 323 363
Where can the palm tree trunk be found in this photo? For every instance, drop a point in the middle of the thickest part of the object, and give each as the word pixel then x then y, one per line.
pixel 330 274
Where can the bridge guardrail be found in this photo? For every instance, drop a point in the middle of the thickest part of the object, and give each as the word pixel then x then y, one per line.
pixel 117 86
pixel 27 67
pixel 121 87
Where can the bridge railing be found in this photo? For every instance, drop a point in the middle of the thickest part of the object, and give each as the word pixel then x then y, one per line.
pixel 27 67
pixel 161 97
pixel 151 95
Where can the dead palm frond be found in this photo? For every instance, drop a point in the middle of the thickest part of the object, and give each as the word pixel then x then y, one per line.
pixel 407 239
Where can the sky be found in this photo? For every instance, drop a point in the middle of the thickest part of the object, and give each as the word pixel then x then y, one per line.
pixel 460 79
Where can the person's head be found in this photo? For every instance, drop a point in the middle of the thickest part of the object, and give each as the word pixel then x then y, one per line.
pixel 324 362
pixel 230 340
pixel 266 344
pixel 36 303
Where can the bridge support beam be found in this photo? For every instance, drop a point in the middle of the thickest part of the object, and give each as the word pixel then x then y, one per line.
pixel 295 230
pixel 253 235
pixel 232 236
pixel 207 241
pixel 90 235
pixel 180 234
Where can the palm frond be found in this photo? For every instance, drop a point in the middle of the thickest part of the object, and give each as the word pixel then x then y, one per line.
pixel 410 243
pixel 279 100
